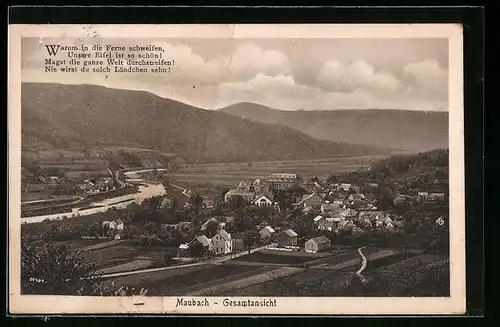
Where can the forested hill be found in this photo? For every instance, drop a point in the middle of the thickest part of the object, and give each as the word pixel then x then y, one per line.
pixel 410 130
pixel 66 115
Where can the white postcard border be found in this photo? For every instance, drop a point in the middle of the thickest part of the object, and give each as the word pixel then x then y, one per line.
pixel 43 304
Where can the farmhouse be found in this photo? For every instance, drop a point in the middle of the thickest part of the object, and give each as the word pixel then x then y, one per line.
pixel 287 238
pixel 282 181
pixel 200 246
pixel 318 244
pixel 267 233
pixel 222 242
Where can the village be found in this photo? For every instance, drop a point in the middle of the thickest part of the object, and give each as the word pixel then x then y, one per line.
pixel 333 207
pixel 283 221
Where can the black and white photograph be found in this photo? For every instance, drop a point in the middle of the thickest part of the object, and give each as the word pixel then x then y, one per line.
pixel 235 171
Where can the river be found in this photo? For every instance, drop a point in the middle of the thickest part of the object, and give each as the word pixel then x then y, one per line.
pixel 145 191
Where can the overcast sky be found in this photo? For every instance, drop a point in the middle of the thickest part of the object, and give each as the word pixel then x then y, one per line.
pixel 288 74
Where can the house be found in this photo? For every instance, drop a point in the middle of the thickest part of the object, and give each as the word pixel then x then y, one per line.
pixel 436 197
pixel 282 181
pixel 247 196
pixel 331 208
pixel 349 214
pixel 422 195
pixel 328 223
pixel 263 200
pixel 267 233
pixel 359 205
pixel 287 238
pixel 183 251
pixel 331 223
pixel 237 245
pixel 310 200
pixel 221 242
pixel 259 186
pixel 318 244
pixel 345 187
pixel 356 196
pixel 112 225
pixel 208 203
pixel 319 221
pixel 200 246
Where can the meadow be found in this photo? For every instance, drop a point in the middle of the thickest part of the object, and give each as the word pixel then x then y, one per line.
pixel 230 173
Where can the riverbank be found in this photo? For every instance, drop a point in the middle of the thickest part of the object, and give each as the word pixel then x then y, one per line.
pixel 147 190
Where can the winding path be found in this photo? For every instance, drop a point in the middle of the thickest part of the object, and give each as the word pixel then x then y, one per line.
pixel 184 190
pixel 364 262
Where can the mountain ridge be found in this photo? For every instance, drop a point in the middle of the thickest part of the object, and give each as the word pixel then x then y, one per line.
pixel 410 130
pixel 90 115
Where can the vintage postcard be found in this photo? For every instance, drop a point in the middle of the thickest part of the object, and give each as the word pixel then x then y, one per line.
pixel 236 169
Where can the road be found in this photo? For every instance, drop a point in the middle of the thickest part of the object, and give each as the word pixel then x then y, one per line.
pixel 218 260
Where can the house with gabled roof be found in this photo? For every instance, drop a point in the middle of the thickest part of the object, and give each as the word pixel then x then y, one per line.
pixel 331 208
pixel 200 246
pixel 263 200
pixel 267 233
pixel 221 242
pixel 349 214
pixel 287 238
pixel 318 244
pixel 310 200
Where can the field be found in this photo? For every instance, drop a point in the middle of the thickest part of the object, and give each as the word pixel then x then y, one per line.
pixel 230 173
pixel 183 280
pixel 281 257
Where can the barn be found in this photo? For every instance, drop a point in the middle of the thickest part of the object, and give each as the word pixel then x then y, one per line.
pixel 287 238
pixel 318 244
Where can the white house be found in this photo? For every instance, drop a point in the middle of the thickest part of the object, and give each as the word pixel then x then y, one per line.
pixel 113 225
pixel 221 242
pixel 345 186
pixel 263 201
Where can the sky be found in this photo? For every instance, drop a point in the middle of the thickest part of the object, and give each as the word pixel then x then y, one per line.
pixel 286 74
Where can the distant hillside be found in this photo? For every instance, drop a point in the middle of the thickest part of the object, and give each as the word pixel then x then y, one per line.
pixel 63 116
pixel 401 129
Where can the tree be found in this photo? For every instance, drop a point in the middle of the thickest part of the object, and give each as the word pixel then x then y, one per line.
pixel 196 201
pixel 250 238
pixel 212 227
pixel 57 271
pixel 236 202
